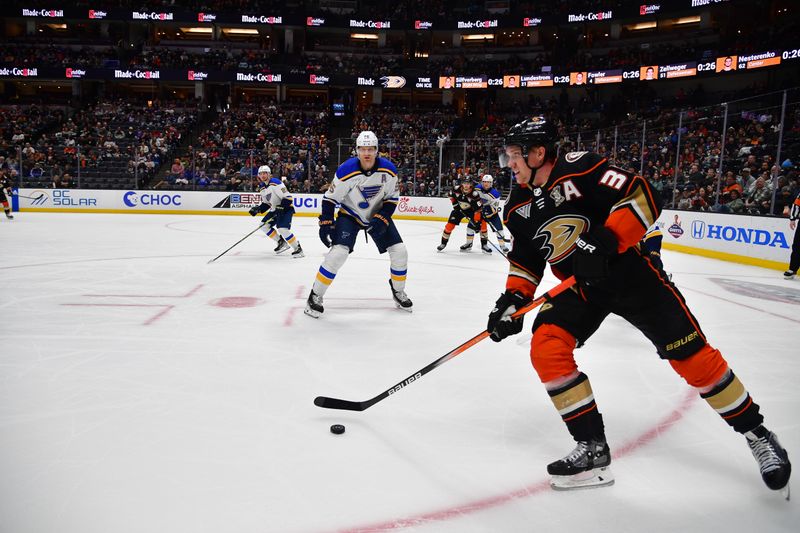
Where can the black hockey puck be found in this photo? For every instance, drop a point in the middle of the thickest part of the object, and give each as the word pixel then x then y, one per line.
pixel 337 429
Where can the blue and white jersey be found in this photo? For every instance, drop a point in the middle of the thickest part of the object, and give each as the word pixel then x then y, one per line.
pixel 275 194
pixel 489 198
pixel 360 194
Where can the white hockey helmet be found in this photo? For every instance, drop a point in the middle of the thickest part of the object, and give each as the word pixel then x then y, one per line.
pixel 264 168
pixel 487 178
pixel 367 138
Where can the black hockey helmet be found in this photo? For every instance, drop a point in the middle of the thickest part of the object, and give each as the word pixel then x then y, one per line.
pixel 530 133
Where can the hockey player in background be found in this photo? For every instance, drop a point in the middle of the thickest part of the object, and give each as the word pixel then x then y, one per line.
pixel 651 246
pixel 5 192
pixel 277 203
pixel 584 217
pixel 794 259
pixel 366 189
pixel 490 210
pixel 466 205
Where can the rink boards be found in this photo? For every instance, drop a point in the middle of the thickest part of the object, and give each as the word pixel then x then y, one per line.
pixel 753 240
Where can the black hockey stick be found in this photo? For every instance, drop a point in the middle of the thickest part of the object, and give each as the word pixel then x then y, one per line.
pixel 237 242
pixel 29 197
pixel 347 405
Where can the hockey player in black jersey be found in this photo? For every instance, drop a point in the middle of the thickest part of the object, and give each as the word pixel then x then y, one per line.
pixel 584 217
pixel 5 188
pixel 466 205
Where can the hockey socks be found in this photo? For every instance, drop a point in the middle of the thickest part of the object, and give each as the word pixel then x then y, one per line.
pixel 574 401
pixel 731 400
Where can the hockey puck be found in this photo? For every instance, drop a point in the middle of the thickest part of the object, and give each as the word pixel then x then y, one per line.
pixel 337 429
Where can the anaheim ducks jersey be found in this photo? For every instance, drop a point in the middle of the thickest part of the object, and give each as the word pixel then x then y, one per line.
pixel 276 194
pixel 467 202
pixel 5 182
pixel 582 192
pixel 361 193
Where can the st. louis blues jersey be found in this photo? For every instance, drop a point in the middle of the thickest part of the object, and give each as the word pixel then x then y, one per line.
pixel 490 200
pixel 361 194
pixel 276 194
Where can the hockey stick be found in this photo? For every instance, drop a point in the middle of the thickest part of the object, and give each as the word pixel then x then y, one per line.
pixel 29 197
pixel 237 242
pixel 347 405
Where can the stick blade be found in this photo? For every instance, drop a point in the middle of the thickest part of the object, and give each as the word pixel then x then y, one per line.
pixel 335 403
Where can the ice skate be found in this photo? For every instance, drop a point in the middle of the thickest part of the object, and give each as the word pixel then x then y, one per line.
pixel 401 299
pixel 282 246
pixel 441 247
pixel 314 306
pixel 466 247
pixel 485 248
pixel 297 254
pixel 587 466
pixel 773 460
pixel 505 249
pixel 789 274
pixel 9 216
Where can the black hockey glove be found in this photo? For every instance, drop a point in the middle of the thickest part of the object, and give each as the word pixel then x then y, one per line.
pixel 326 232
pixel 253 211
pixel 378 226
pixel 500 325
pixel 592 254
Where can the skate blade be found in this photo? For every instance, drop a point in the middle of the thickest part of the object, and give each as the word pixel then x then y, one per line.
pixel 298 256
pixel 599 477
pixel 786 493
pixel 283 250
pixel 406 309
pixel 310 312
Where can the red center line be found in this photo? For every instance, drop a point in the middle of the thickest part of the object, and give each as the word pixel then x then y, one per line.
pixel 539 487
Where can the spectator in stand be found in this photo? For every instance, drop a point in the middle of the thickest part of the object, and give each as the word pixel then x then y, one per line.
pixel 758 201
pixel 735 204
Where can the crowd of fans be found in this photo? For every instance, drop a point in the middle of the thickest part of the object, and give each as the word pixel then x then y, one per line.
pixel 114 144
pixel 120 144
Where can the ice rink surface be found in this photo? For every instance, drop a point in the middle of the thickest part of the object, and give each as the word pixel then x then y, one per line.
pixel 144 390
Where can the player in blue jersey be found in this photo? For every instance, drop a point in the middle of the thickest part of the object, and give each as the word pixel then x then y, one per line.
pixel 277 203
pixel 490 210
pixel 366 190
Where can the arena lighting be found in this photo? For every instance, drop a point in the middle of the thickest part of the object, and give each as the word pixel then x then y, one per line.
pixel 364 36
pixel 687 20
pixel 643 26
pixel 196 30
pixel 478 37
pixel 239 31
pixel 57 26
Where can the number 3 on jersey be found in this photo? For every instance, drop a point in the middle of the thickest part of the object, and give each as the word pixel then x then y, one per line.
pixel 613 179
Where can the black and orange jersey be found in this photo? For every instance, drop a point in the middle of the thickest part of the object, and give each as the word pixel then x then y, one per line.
pixel 583 191
pixel 5 182
pixel 467 202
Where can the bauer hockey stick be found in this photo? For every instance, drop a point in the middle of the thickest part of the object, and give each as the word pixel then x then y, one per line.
pixel 237 242
pixel 347 405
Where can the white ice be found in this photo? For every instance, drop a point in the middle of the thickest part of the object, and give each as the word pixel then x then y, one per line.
pixel 143 390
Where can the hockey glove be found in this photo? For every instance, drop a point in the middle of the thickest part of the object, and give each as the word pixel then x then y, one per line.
pixel 593 252
pixel 488 212
pixel 253 211
pixel 326 232
pixel 378 226
pixel 500 324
